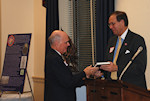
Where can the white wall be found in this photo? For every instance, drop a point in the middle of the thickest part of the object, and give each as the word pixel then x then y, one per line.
pixel 16 18
pixel 138 12
pixel 39 38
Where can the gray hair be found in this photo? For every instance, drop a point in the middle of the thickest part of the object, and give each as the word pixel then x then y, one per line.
pixel 53 38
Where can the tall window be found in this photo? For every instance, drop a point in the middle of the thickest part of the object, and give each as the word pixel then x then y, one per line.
pixel 79 21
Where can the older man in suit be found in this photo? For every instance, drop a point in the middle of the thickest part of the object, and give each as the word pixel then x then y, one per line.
pixel 129 44
pixel 60 83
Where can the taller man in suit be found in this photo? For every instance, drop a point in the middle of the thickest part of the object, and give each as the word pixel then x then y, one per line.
pixel 130 42
pixel 60 83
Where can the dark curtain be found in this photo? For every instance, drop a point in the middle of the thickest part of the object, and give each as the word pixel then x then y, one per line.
pixel 52 19
pixel 52 22
pixel 103 33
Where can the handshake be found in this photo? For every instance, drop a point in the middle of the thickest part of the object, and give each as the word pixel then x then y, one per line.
pixel 94 71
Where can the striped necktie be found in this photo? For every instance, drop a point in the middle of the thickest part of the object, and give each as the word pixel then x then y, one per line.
pixel 114 74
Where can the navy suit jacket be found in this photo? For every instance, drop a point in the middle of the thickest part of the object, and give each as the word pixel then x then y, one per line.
pixel 135 74
pixel 60 84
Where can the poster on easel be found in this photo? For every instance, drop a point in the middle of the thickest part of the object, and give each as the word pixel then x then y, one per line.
pixel 15 62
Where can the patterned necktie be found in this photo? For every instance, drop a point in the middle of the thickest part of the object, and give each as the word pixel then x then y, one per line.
pixel 114 74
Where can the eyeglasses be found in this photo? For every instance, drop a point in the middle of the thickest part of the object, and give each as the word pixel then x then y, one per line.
pixel 112 23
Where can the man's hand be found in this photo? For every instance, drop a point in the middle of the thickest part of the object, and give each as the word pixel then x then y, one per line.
pixel 110 68
pixel 90 70
pixel 98 74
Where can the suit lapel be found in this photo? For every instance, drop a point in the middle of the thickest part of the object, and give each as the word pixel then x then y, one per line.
pixel 112 45
pixel 125 44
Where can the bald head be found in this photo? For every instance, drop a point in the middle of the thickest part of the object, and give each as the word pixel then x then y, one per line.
pixel 55 36
pixel 59 41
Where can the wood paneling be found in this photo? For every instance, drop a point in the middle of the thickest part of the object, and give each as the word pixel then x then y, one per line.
pixel 105 90
pixel 38 88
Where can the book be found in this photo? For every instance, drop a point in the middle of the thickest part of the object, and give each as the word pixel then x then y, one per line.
pixel 101 63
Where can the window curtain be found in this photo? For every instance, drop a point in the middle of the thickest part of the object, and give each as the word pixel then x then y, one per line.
pixel 103 33
pixel 52 19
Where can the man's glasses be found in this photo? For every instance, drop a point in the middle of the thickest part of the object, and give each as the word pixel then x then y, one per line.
pixel 112 23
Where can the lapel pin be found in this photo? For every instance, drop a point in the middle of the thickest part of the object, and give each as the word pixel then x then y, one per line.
pixel 111 49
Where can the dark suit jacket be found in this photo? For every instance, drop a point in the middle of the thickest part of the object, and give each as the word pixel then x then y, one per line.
pixel 135 74
pixel 60 84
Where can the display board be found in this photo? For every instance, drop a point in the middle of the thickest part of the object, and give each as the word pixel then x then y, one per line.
pixel 15 62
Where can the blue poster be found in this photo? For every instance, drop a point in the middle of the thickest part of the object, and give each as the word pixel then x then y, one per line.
pixel 15 62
